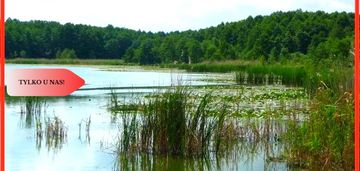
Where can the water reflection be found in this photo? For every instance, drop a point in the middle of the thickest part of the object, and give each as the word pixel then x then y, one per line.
pixel 31 110
pixel 242 156
pixel 50 132
pixel 84 128
pixel 54 133
pixel 257 146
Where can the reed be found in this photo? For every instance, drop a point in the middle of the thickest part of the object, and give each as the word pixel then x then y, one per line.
pixel 323 140
pixel 32 108
pixel 271 74
pixel 53 130
pixel 174 124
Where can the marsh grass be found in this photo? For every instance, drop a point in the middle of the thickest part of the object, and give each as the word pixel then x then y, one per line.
pixel 320 137
pixel 271 75
pixel 174 124
pixel 324 139
pixel 338 80
pixel 250 138
pixel 117 104
pixel 180 123
pixel 53 131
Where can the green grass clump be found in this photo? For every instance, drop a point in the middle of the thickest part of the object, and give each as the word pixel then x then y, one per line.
pixel 271 74
pixel 323 140
pixel 172 123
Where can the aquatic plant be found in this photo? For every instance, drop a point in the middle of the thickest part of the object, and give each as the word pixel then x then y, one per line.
pixel 324 139
pixel 53 130
pixel 32 109
pixel 174 124
pixel 271 74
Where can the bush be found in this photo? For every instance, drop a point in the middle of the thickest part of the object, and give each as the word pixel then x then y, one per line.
pixel 66 54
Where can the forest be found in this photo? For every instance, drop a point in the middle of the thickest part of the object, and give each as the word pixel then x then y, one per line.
pixel 277 37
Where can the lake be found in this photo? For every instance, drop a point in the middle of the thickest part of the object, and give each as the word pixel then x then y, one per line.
pixel 96 151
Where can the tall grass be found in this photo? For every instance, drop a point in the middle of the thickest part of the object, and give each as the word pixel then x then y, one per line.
pixel 323 140
pixel 271 74
pixel 116 105
pixel 253 73
pixel 173 124
pixel 338 80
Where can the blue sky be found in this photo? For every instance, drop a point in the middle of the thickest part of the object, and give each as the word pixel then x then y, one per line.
pixel 160 15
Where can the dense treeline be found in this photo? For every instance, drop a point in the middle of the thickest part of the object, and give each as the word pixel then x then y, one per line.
pixel 280 36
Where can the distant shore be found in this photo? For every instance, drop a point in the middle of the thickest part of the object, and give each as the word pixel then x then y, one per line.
pixel 67 61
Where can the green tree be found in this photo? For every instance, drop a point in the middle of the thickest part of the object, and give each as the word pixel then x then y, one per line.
pixel 66 54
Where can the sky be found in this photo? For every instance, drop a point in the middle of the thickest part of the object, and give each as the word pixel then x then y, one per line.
pixel 160 15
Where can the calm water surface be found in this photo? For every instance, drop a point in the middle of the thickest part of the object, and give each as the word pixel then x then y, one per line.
pixel 96 153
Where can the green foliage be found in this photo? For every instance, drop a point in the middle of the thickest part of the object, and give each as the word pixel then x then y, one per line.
pixel 172 123
pixel 274 38
pixel 324 139
pixel 271 74
pixel 66 54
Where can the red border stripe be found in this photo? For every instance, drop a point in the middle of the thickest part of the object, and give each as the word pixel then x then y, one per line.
pixel 356 86
pixel 2 86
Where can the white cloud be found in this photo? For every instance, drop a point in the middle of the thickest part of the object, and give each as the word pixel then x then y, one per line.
pixel 156 15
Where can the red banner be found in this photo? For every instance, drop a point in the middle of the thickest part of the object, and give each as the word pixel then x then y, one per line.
pixel 42 82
